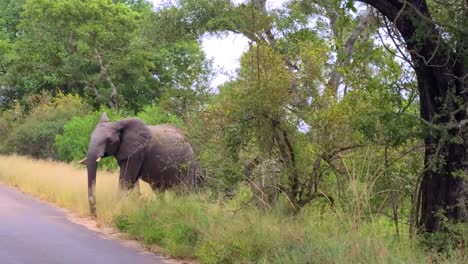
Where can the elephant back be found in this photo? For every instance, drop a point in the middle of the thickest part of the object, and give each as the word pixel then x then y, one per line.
pixel 169 144
pixel 172 155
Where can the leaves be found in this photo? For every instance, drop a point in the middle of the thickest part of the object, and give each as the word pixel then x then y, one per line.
pixel 104 50
pixel 313 89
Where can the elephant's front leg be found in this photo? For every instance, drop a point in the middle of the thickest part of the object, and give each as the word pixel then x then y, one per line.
pixel 129 173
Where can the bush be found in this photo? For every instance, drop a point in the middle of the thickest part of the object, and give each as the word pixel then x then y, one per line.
pixel 174 224
pixel 35 134
pixel 9 119
pixel 153 115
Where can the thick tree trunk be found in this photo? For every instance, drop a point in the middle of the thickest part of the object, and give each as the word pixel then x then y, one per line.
pixel 443 105
pixel 444 180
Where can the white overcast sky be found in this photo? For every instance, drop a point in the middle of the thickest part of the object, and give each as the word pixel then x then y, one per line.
pixel 225 51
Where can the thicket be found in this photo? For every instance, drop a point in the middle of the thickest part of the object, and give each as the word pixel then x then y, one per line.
pixel 32 131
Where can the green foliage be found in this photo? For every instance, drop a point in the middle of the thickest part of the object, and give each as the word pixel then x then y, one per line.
pixel 206 15
pixel 179 67
pixel 153 115
pixel 9 18
pixel 137 5
pixel 70 44
pixel 449 242
pixel 334 118
pixel 34 133
pixel 177 229
pixel 192 226
pixel 9 119
pixel 73 144
pixel 109 52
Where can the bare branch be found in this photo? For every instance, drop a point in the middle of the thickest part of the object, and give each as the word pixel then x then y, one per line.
pixel 113 100
pixel 365 21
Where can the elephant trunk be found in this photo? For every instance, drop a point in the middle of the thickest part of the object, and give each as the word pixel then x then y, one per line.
pixel 92 167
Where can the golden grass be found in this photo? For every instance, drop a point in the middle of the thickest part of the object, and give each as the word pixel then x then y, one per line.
pixel 65 185
pixel 190 226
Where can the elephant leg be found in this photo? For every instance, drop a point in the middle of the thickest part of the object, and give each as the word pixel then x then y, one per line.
pixel 129 173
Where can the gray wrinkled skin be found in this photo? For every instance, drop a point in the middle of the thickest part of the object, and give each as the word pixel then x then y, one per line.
pixel 159 155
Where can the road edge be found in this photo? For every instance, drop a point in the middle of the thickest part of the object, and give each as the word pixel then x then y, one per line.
pixel 105 231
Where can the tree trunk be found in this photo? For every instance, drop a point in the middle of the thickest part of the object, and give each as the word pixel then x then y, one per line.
pixel 113 101
pixel 443 107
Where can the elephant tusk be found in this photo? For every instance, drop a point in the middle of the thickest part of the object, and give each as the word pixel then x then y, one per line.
pixel 98 159
pixel 82 161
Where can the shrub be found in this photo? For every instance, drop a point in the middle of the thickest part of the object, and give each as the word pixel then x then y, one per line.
pixel 153 115
pixel 10 119
pixel 172 222
pixel 35 134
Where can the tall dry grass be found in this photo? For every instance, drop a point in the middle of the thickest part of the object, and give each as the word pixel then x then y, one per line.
pixel 195 226
pixel 65 185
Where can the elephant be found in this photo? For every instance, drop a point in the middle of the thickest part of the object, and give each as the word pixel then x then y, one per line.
pixel 159 155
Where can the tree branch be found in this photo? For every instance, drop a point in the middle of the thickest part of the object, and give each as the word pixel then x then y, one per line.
pixel 113 104
pixel 364 23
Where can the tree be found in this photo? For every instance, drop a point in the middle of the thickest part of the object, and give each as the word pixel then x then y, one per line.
pixel 314 96
pixel 137 5
pixel 10 17
pixel 179 66
pixel 117 53
pixel 439 56
pixel 72 46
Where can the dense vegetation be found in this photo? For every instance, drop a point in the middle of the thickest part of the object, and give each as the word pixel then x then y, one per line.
pixel 196 226
pixel 338 108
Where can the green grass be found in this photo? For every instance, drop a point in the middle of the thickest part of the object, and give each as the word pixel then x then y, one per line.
pixel 196 227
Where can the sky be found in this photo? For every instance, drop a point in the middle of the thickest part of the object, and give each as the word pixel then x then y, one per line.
pixel 226 51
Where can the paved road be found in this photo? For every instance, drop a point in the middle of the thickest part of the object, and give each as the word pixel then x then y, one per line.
pixel 33 232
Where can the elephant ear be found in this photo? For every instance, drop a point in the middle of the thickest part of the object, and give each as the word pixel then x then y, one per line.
pixel 104 118
pixel 134 135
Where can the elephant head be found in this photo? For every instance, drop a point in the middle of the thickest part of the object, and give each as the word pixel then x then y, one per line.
pixel 120 139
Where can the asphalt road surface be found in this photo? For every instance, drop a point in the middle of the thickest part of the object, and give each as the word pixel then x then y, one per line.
pixel 33 232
